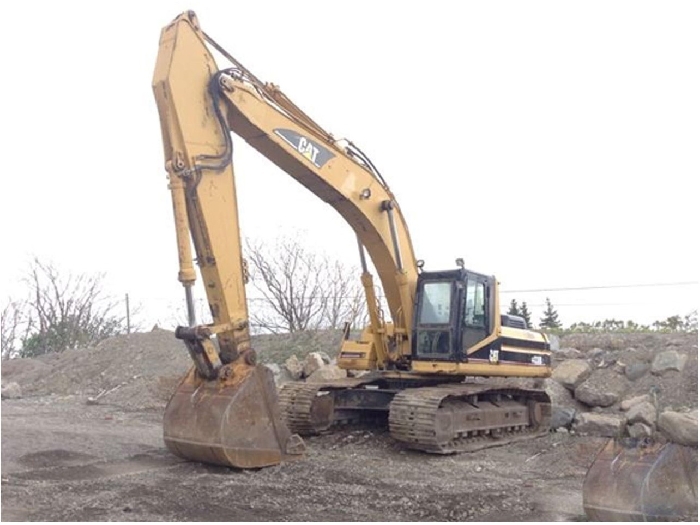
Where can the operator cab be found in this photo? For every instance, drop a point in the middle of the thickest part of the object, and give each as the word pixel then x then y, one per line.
pixel 454 310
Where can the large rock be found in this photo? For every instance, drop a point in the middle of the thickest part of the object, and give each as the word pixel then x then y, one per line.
pixel 595 398
pixel 595 353
pixel 313 362
pixel 643 412
pixel 274 368
pixel 604 425
pixel 11 391
pixel 294 367
pixel 669 360
pixel 602 389
pixel 572 373
pixel 679 427
pixel 281 374
pixel 568 353
pixel 636 370
pixel 327 373
pixel 562 417
pixel 559 395
pixel 605 360
pixel 640 430
pixel 631 401
pixel 325 357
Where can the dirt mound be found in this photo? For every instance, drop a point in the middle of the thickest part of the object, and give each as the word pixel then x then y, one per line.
pixel 134 371
pixel 24 371
pixel 141 370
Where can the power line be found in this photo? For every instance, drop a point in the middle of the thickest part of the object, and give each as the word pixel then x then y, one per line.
pixel 557 306
pixel 533 290
pixel 610 286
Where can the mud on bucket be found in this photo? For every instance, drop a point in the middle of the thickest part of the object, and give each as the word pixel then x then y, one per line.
pixel 234 422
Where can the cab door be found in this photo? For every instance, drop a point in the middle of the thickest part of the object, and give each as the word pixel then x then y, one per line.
pixel 437 315
pixel 475 321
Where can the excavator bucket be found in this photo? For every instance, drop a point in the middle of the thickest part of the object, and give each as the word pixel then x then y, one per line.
pixel 632 481
pixel 233 421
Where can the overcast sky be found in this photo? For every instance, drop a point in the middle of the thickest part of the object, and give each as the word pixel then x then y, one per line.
pixel 552 144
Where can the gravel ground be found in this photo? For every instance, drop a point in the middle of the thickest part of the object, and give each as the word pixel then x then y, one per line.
pixel 65 461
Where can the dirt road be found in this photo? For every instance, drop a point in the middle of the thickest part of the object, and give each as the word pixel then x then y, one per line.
pixel 63 460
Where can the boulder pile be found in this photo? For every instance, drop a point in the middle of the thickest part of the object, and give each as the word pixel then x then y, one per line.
pixel 640 385
pixel 315 367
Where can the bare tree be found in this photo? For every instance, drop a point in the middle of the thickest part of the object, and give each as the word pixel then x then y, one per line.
pixel 344 298
pixel 300 290
pixel 16 327
pixel 286 275
pixel 67 311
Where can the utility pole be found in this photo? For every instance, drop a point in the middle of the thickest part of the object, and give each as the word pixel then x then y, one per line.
pixel 128 316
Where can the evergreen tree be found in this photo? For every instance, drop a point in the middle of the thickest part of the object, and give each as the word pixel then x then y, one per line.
pixel 551 317
pixel 525 314
pixel 513 308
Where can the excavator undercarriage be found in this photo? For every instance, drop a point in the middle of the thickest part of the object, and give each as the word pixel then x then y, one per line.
pixel 433 414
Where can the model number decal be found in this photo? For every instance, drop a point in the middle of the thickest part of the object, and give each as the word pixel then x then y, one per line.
pixel 307 148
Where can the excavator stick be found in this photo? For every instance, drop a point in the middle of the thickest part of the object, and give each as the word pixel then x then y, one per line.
pixel 226 410
pixel 638 481
pixel 235 421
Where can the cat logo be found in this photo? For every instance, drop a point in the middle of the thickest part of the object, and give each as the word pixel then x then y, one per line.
pixel 493 355
pixel 307 148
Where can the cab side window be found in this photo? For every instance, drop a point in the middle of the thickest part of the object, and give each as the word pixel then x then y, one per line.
pixel 475 308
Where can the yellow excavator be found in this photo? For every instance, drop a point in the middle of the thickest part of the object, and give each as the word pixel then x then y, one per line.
pixel 445 326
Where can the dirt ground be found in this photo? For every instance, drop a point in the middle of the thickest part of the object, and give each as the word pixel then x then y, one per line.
pixel 63 460
pixel 66 460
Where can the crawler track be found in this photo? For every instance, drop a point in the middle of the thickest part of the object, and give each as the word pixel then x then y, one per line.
pixel 463 418
pixel 441 419
pixel 308 407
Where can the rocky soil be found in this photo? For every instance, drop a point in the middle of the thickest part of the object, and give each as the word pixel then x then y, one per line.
pixel 81 439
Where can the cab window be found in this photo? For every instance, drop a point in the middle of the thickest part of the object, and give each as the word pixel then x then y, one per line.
pixel 435 304
pixel 475 308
